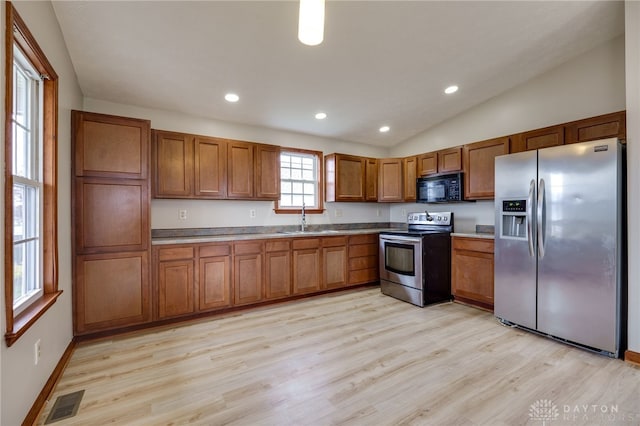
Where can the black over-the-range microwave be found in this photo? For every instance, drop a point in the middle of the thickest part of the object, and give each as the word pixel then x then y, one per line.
pixel 440 189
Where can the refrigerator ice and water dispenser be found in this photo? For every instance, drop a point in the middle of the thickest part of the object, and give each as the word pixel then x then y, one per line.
pixel 514 219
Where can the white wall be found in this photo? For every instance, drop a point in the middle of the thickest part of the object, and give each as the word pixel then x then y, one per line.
pixel 21 380
pixel 588 85
pixel 632 34
pixel 222 213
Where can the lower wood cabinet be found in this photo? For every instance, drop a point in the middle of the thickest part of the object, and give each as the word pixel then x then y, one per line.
pixel 194 278
pixel 472 271
pixel 112 291
pixel 334 262
pixel 175 281
pixel 363 259
pixel 277 276
pixel 214 277
pixel 247 272
pixel 306 265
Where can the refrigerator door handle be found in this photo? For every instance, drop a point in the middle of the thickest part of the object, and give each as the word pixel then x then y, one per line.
pixel 532 189
pixel 540 217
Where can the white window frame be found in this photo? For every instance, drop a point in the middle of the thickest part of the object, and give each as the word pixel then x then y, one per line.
pixel 287 179
pixel 32 274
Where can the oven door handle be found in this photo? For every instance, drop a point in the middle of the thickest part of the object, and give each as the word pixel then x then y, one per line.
pixel 397 238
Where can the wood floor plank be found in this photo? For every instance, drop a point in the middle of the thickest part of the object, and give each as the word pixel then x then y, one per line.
pixel 352 358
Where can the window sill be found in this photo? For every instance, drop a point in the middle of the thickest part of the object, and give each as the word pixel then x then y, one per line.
pixel 298 211
pixel 29 316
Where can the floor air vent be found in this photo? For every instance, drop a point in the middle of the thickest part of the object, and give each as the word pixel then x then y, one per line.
pixel 65 406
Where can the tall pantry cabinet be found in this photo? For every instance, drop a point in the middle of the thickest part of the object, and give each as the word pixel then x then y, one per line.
pixel 111 221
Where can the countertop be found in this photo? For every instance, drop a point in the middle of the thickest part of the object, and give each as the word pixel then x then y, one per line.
pixel 473 235
pixel 241 237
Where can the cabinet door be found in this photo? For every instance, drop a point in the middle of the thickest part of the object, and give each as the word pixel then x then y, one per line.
pixel 539 138
pixel 371 179
pixel 214 282
pixel 173 161
pixel 600 127
pixel 267 172
pixel 450 160
pixel 390 180
pixel 240 170
pixel 175 288
pixel 247 281
pixel 410 170
pixel 479 159
pixel 110 146
pixel 111 215
pixel 428 164
pixel 349 180
pixel 277 274
pixel 334 262
pixel 306 265
pixel 472 271
pixel 111 291
pixel 210 167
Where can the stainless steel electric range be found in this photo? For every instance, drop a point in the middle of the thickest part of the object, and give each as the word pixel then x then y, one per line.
pixel 415 265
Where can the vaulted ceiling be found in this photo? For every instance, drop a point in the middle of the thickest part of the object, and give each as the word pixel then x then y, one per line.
pixel 381 62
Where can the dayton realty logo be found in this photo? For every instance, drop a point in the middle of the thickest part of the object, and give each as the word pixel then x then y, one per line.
pixel 544 410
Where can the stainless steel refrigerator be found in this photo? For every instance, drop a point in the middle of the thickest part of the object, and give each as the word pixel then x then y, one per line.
pixel 559 243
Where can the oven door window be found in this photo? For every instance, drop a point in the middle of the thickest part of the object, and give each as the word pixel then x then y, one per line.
pixel 399 258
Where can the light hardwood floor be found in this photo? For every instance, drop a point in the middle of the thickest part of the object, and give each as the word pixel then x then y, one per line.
pixel 354 358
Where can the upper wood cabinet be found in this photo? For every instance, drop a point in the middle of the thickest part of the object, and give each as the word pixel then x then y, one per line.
pixel 428 163
pixel 240 162
pixel 371 179
pixel 267 172
pixel 390 180
pixel 537 139
pixel 600 127
pixel 410 170
pixel 172 156
pixel 450 160
pixel 479 167
pixel 210 167
pixel 199 167
pixel 444 161
pixel 110 146
pixel 344 177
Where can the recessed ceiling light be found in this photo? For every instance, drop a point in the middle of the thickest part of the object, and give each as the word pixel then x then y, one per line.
pixel 451 89
pixel 321 116
pixel 384 129
pixel 231 97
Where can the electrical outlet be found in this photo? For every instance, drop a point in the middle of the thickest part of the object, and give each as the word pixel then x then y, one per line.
pixel 338 212
pixel 252 213
pixel 403 213
pixel 182 214
pixel 378 212
pixel 36 352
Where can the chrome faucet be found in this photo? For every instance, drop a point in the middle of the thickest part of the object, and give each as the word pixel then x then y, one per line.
pixel 303 225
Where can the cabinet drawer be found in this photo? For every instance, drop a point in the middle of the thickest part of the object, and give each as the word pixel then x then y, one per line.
pixel 363 262
pixel 253 247
pixel 473 244
pixel 363 276
pixel 280 245
pixel 363 239
pixel 175 253
pixel 216 250
pixel 363 250
pixel 334 241
pixel 306 243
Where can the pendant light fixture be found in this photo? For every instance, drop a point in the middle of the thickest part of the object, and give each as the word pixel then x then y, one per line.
pixel 311 22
